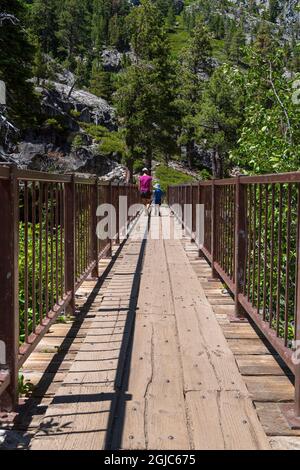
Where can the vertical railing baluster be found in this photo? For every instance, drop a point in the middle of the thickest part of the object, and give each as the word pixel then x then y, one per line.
pixel 94 239
pixel 287 267
pixel 240 242
pixel 69 232
pixel 109 201
pixel 279 262
pixel 26 265
pixel 271 282
pixel 213 229
pixel 118 214
pixel 265 252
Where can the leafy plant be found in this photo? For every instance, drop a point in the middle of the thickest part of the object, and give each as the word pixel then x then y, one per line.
pixel 24 387
pixel 77 142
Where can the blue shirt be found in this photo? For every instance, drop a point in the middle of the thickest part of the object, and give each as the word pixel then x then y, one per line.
pixel 157 196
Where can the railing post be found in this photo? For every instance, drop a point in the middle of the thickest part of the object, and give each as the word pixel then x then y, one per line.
pixel 240 248
pixel 193 213
pixel 292 412
pixel 200 253
pixel 183 207
pixel 118 214
pixel 213 229
pixel 9 286
pixel 109 201
pixel 297 318
pixel 70 215
pixel 94 240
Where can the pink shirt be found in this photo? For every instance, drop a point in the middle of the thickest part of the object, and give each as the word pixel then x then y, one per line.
pixel 145 183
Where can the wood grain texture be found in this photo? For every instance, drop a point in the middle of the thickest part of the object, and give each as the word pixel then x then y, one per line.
pixel 152 368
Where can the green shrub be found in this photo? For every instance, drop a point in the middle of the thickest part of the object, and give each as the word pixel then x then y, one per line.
pixel 110 142
pixel 75 114
pixel 55 124
pixel 77 142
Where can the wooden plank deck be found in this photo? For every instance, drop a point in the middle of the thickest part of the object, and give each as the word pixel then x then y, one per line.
pixel 149 365
pixel 265 374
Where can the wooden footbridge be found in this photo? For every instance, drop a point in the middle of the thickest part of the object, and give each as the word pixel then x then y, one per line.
pixel 144 336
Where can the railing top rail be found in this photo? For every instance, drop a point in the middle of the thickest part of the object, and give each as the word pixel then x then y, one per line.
pixel 83 180
pixel 31 175
pixel 272 178
pixel 292 177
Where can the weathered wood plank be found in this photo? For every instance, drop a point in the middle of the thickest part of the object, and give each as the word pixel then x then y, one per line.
pixel 285 443
pixel 248 346
pixel 240 331
pixel 83 407
pixel 224 379
pixel 273 421
pixel 271 388
pixel 261 365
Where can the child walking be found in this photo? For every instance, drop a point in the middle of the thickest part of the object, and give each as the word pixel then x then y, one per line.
pixel 157 197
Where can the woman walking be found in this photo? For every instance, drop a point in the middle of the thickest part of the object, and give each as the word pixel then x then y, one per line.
pixel 145 187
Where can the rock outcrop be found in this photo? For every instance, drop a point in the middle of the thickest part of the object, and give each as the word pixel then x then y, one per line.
pixel 50 147
pixel 111 60
pixel 58 99
pixel 286 21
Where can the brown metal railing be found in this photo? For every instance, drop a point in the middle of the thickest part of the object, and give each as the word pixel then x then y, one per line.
pixel 252 240
pixel 48 247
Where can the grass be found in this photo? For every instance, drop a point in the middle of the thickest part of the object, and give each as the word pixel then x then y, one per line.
pixel 168 176
pixel 178 37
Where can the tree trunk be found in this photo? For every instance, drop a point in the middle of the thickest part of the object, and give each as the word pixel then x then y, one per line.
pixel 217 164
pixel 130 162
pixel 190 147
pixel 167 159
pixel 149 159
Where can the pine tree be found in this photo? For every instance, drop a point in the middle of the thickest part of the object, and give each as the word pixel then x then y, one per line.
pixel 195 69
pixel 146 98
pixel 44 24
pixel 220 115
pixel 171 17
pixel 147 36
pixel 102 11
pixel 101 83
pixel 236 47
pixel 73 30
pixel 15 64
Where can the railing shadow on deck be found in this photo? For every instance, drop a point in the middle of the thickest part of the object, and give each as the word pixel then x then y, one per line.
pixel 25 412
pixel 117 413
